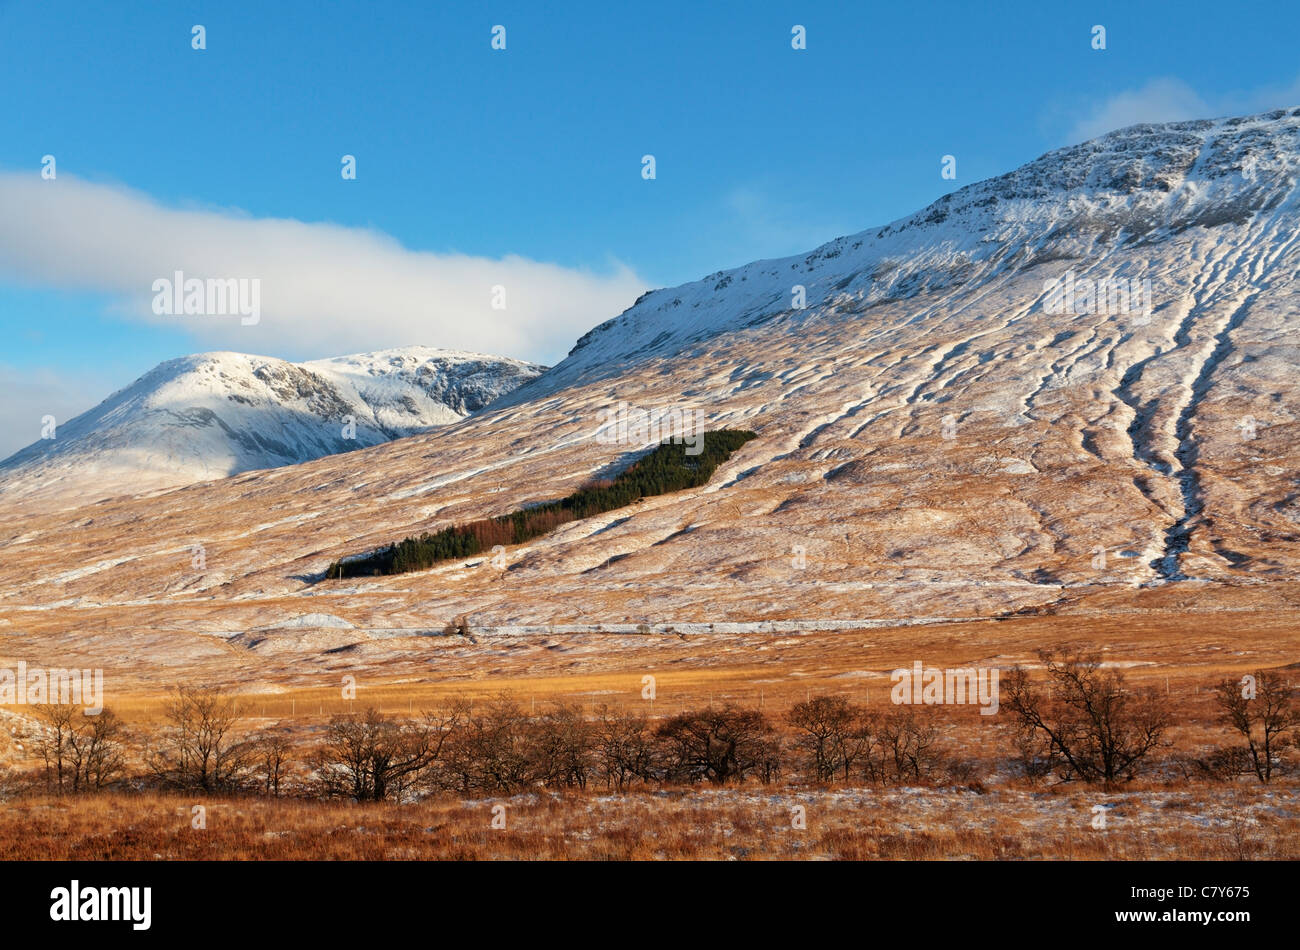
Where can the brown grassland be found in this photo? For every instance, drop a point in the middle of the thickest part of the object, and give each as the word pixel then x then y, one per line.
pixel 982 809
pixel 1148 822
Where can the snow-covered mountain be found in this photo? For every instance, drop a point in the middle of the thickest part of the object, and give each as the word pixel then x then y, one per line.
pixel 1138 294
pixel 1124 193
pixel 936 438
pixel 211 415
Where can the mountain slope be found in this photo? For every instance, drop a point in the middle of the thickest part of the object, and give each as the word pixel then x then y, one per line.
pixel 212 415
pixel 935 439
pixel 1134 188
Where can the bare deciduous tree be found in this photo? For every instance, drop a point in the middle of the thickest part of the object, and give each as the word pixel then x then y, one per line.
pixel 1262 715
pixel 98 751
pixel 909 746
pixel 561 744
pixel 199 747
pixel 1088 725
pixel 492 753
pixel 834 735
pixel 80 752
pixel 272 754
pixel 719 745
pixel 625 749
pixel 370 757
pixel 50 737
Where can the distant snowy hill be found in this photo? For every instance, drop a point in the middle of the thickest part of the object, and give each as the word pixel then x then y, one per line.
pixel 212 415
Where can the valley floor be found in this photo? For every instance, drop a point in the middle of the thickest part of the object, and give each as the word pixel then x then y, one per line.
pixel 979 808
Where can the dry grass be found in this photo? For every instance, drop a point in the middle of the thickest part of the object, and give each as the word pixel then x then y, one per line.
pixel 1212 823
pixel 1171 648
pixel 1177 651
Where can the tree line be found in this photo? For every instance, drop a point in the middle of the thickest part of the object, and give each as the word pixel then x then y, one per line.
pixel 1081 722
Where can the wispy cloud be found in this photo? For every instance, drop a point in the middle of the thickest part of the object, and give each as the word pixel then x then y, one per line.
pixel 325 289
pixel 1168 99
pixel 1160 100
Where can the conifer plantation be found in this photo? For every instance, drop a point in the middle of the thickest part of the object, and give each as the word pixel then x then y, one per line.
pixel 666 469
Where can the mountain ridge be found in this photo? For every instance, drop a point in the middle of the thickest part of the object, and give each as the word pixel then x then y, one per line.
pixel 221 413
pixel 1148 160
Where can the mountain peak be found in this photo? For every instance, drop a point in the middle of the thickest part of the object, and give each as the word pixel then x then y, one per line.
pixel 214 414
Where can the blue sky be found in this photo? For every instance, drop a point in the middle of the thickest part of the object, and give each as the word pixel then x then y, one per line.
pixel 525 162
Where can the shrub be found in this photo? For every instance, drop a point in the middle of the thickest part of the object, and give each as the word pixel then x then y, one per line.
pixel 718 745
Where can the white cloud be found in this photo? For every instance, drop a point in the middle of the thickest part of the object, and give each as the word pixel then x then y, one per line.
pixel 1168 99
pixel 325 289
pixel 1160 100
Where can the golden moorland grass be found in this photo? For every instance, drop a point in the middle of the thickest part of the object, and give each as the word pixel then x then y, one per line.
pixel 752 822
pixel 993 815
pixel 1184 653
